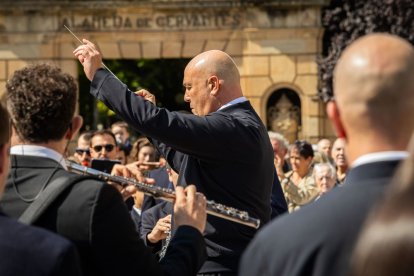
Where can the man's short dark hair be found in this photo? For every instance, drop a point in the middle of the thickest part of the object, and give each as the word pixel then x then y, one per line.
pixel 102 133
pixel 41 100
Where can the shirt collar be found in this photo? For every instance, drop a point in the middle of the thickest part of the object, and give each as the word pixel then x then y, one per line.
pixel 235 101
pixel 380 156
pixel 32 150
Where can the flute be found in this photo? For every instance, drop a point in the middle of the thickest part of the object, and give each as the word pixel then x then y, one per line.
pixel 213 208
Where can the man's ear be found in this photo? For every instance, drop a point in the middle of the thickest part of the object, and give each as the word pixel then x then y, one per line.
pixel 213 85
pixel 335 118
pixel 74 127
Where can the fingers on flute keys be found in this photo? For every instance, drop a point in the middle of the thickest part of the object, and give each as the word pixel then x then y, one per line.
pixel 190 208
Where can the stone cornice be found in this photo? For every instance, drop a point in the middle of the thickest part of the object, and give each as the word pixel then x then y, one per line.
pixel 37 5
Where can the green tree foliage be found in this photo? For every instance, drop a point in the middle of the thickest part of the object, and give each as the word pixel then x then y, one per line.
pixel 346 20
pixel 162 77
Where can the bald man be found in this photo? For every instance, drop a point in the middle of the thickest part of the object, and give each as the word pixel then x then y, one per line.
pixel 224 150
pixel 340 161
pixel 374 113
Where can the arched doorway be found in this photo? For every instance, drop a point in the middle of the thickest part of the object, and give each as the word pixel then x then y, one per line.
pixel 284 113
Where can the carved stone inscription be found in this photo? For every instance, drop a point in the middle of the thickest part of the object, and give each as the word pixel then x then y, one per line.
pixel 179 21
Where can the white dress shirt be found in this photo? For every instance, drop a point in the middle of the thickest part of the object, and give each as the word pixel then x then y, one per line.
pixel 32 150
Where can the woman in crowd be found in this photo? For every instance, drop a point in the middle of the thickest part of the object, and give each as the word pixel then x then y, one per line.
pixel 299 185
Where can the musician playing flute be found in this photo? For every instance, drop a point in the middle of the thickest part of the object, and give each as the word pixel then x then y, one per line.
pixel 223 147
pixel 89 212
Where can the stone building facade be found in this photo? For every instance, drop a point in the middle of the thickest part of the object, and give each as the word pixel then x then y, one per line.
pixel 274 43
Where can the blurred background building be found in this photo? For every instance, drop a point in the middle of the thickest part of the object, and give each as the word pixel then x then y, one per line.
pixel 275 44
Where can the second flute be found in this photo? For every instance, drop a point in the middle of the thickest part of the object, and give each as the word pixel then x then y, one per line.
pixel 213 208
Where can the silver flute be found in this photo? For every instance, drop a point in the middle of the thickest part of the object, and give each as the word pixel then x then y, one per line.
pixel 213 208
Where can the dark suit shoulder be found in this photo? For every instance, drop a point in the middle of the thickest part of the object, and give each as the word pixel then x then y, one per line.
pixel 49 255
pixel 317 239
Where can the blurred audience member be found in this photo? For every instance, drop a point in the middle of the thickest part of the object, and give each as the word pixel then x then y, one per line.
pixel 82 152
pixel 142 151
pixel 324 145
pixel 122 154
pixel 280 148
pixel 299 185
pixel 325 178
pixel 122 136
pixel 340 161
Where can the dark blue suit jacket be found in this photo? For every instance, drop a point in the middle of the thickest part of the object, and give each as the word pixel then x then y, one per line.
pixel 160 176
pixel 92 215
pixel 227 154
pixel 31 251
pixel 150 218
pixel 319 238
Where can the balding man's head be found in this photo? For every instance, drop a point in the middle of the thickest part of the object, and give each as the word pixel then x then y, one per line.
pixel 374 86
pixel 215 62
pixel 211 79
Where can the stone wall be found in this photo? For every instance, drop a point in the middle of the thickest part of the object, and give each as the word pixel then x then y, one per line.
pixel 274 43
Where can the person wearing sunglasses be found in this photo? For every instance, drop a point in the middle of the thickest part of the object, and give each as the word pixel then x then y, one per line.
pixel 103 145
pixel 82 152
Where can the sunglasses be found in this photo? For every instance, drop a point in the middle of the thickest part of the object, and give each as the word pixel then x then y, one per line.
pixel 108 148
pixel 82 151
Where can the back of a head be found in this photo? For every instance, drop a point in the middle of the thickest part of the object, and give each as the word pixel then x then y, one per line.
pixel 374 88
pixel 41 100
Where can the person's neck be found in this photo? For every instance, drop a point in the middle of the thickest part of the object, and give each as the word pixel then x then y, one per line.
pixel 342 169
pixel 58 146
pixel 372 143
pixel 298 176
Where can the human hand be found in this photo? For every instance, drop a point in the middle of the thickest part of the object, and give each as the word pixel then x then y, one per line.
pixel 146 95
pixel 160 230
pixel 278 162
pixel 190 208
pixel 129 171
pixel 89 57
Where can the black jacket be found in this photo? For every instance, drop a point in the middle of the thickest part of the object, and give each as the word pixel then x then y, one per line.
pixel 94 217
pixel 319 238
pixel 227 154
pixel 31 251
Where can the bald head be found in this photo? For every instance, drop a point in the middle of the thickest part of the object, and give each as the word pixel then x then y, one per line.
pixel 216 62
pixel 211 79
pixel 374 86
